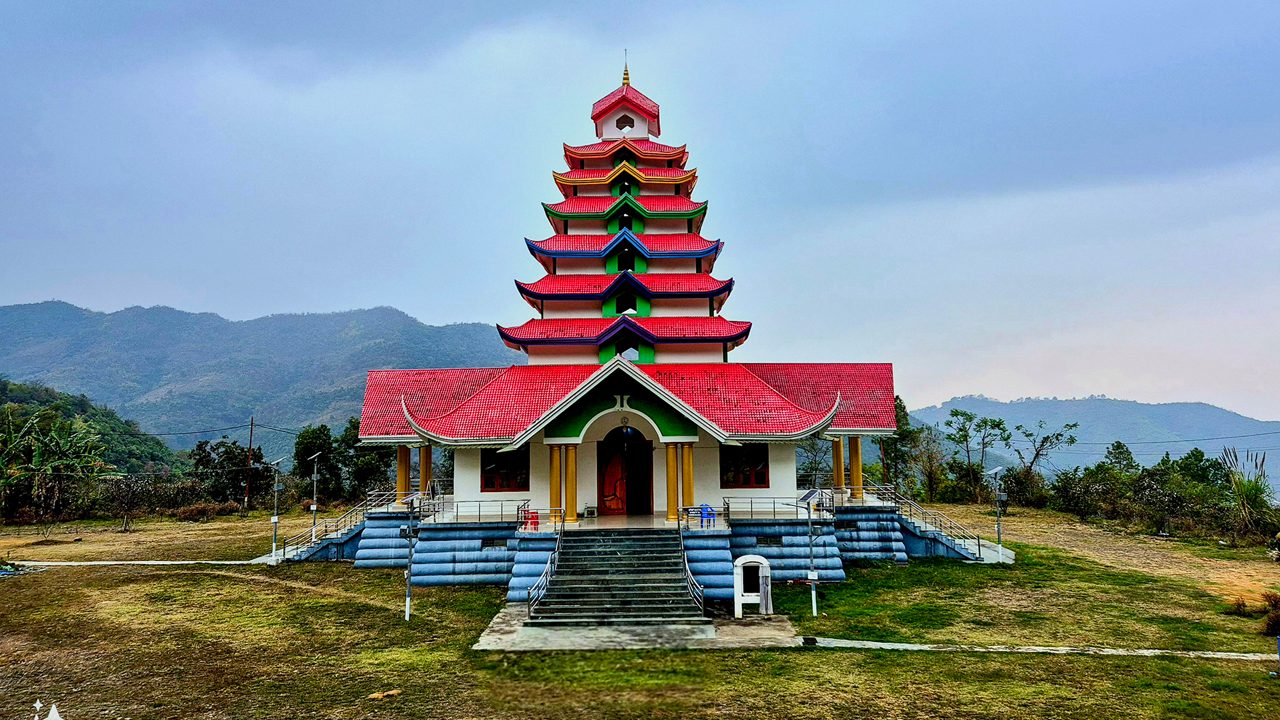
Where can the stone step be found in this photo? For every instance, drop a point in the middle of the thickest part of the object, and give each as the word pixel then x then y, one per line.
pixel 605 602
pixel 593 620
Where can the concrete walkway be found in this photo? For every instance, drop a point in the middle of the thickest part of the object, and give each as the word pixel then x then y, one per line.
pixel 1035 649
pixel 86 563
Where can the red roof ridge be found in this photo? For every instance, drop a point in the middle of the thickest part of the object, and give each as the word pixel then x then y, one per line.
pixel 464 400
pixel 831 411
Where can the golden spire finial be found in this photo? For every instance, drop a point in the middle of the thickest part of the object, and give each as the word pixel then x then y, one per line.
pixel 626 71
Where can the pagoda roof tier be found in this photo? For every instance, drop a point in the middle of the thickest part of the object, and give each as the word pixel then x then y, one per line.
pixel 676 245
pixel 567 181
pixel 649 285
pixel 631 97
pixel 732 402
pixel 597 331
pixel 647 149
pixel 647 206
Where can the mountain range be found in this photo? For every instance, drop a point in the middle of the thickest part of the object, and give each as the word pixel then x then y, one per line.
pixel 1149 429
pixel 175 371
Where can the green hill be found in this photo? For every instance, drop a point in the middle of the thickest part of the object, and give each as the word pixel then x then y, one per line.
pixel 175 371
pixel 1150 429
pixel 127 447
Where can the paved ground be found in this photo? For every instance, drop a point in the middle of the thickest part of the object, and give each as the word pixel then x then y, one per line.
pixel 1035 649
pixel 508 633
pixel 82 563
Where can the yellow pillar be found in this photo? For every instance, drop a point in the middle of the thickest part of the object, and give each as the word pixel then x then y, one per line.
pixel 855 461
pixel 424 469
pixel 402 472
pixel 837 462
pixel 687 452
pixel 571 483
pixel 673 483
pixel 554 475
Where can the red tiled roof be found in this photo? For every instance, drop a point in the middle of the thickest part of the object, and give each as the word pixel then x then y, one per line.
pixel 701 284
pixel 433 391
pixel 632 97
pixel 597 173
pixel 584 331
pixel 866 390
pixel 597 204
pixel 506 405
pixel 660 244
pixel 640 144
pixel 732 397
pixel 753 400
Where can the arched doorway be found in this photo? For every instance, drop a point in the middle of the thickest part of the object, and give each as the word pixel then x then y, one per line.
pixel 625 462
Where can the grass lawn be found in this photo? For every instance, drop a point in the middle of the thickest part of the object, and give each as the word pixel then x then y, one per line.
pixel 314 640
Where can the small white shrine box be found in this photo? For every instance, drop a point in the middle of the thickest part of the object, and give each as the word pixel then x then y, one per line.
pixel 751 584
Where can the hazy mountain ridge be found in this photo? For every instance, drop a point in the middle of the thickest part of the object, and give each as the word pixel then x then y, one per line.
pixel 1151 429
pixel 174 371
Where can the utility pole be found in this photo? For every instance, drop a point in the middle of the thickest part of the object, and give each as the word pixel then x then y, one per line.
pixel 314 464
pixel 248 473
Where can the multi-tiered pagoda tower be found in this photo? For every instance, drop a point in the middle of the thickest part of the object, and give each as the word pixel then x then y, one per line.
pixel 628 405
pixel 628 271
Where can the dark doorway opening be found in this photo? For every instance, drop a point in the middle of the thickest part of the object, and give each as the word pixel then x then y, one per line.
pixel 625 462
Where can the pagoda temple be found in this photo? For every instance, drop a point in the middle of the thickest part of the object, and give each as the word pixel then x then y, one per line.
pixel 629 404
pixel 630 473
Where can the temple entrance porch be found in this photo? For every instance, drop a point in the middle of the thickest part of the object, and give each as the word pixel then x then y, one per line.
pixel 624 461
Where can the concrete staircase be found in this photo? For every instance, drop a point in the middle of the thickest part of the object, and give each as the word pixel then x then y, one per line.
pixel 629 577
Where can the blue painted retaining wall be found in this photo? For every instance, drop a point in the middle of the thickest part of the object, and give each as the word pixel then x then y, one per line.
pixel 380 544
pixel 455 554
pixel 710 561
pixel 532 550
pixel 870 533
pixel 789 559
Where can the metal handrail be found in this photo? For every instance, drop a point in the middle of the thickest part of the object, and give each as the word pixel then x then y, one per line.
pixel 335 526
pixel 687 514
pixel 446 510
pixel 777 507
pixel 921 515
pixel 539 589
pixel 696 590
pixel 533 519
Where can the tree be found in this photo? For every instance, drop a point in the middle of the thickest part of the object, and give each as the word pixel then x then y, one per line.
pixel 972 434
pixel 366 467
pixel 1121 458
pixel 326 467
pixel 127 494
pixel 813 460
pixel 960 432
pixel 931 462
pixel 1251 510
pixel 896 450
pixel 224 467
pixel 61 461
pixel 1041 442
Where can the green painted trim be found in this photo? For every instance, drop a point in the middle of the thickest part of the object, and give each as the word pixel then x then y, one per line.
pixel 607 351
pixel 646 355
pixel 628 200
pixel 573 421
pixel 644 306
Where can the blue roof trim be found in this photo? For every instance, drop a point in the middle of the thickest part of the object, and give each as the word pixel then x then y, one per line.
pixel 535 248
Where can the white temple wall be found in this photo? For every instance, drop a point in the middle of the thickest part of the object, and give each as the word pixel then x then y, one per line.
pixel 607 127
pixel 593 190
pixel 579 266
pixel 666 225
pixel 570 308
pixel 587 227
pixel 563 355
pixel 690 353
pixel 679 307
pixel 673 265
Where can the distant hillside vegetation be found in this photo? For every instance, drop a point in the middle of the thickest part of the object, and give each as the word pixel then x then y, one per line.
pixel 127 448
pixel 173 370
pixel 1149 429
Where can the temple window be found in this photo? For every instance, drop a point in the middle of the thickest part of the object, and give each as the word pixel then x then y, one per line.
pixel 625 123
pixel 626 258
pixel 504 471
pixel 744 466
pixel 625 303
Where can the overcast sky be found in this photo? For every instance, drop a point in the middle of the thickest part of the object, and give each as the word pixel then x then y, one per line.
pixel 1014 199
